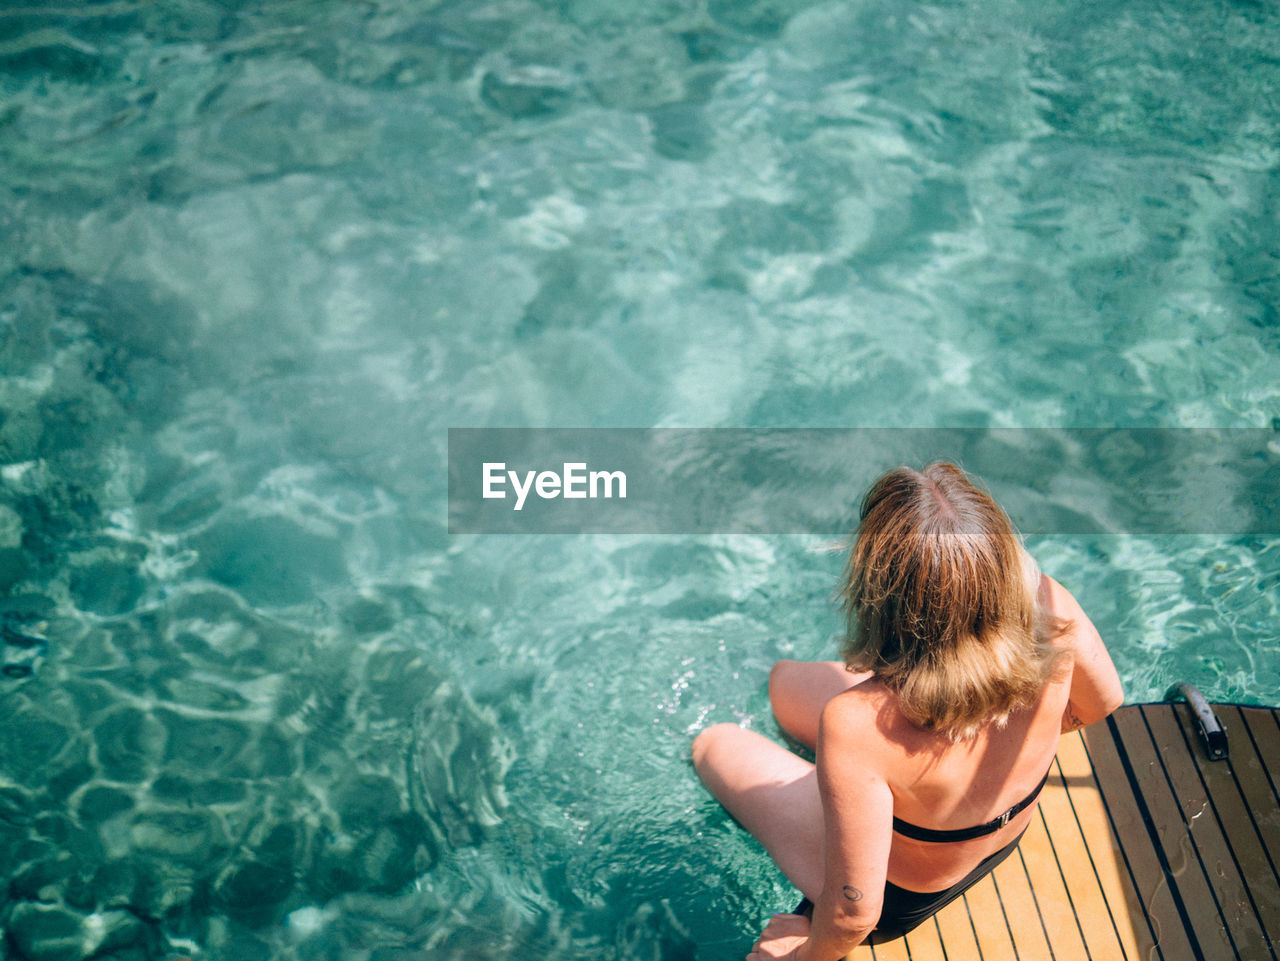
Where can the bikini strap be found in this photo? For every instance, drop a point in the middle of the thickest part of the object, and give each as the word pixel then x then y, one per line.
pixel 909 830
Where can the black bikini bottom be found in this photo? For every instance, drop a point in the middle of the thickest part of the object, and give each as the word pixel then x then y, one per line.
pixel 904 910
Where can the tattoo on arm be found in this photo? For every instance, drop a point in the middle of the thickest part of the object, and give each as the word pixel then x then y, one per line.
pixel 1070 720
pixel 851 893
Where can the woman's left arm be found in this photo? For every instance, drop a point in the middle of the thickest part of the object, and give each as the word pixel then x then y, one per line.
pixel 858 817
pixel 857 808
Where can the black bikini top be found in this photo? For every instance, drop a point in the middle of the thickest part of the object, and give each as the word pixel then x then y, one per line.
pixel 968 834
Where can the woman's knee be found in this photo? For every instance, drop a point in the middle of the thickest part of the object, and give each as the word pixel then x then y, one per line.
pixel 780 675
pixel 799 690
pixel 793 694
pixel 705 743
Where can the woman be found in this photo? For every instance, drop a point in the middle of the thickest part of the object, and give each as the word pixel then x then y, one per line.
pixel 962 664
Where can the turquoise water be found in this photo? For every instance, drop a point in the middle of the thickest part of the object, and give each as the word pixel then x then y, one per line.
pixel 258 703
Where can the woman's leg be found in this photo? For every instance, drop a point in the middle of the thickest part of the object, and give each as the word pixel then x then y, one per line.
pixel 799 690
pixel 770 792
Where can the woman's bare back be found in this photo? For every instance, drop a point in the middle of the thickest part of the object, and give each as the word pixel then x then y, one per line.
pixel 945 786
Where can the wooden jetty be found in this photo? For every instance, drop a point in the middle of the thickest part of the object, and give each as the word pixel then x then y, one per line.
pixel 1144 849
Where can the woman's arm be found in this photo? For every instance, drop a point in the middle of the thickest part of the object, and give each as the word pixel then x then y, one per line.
pixel 857 808
pixel 858 815
pixel 1095 684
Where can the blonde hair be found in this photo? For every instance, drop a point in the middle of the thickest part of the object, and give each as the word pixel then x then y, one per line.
pixel 940 602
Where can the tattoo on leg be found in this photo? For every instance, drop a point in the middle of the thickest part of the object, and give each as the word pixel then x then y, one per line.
pixel 851 893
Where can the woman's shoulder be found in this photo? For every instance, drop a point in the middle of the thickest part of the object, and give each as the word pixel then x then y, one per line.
pixel 867 715
pixel 1055 599
pixel 1063 612
pixel 864 695
pixel 852 709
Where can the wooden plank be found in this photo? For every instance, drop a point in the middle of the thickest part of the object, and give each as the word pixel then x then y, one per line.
pixel 1264 727
pixel 1020 909
pixel 1205 824
pixel 925 942
pixel 1262 786
pixel 956 932
pixel 1075 865
pixel 1124 908
pixel 1237 787
pixel 1179 851
pixel 995 940
pixel 1160 906
pixel 1260 783
pixel 1050 892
